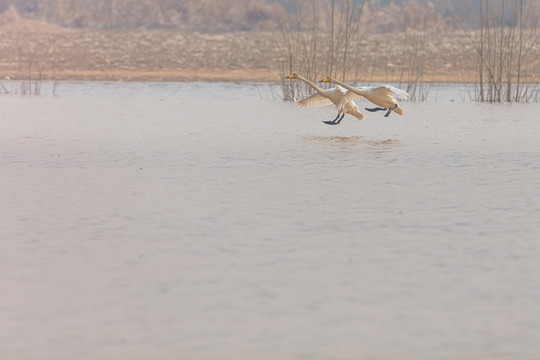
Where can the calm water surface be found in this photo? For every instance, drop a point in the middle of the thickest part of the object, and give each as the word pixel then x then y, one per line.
pixel 207 221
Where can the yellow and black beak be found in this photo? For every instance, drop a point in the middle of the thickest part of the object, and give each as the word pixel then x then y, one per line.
pixel 289 77
pixel 324 80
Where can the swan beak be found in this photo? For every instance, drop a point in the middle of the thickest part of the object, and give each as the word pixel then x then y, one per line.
pixel 289 77
pixel 324 80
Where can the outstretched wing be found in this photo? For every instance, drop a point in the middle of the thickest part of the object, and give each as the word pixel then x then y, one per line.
pixel 315 100
pixel 338 88
pixel 398 93
pixel 349 96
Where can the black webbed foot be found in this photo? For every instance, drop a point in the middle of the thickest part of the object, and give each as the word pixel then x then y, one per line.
pixel 336 121
pixel 375 109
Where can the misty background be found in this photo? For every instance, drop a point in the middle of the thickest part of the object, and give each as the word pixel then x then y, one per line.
pixel 493 44
pixel 232 15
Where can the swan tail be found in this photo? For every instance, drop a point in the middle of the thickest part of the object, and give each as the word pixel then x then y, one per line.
pixel 357 114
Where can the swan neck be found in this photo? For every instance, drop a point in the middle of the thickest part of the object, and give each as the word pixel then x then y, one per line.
pixel 349 87
pixel 315 87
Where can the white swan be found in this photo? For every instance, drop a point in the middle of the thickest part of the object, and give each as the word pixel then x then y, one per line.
pixel 385 96
pixel 334 96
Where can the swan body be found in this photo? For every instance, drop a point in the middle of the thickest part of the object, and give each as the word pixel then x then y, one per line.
pixel 385 96
pixel 327 97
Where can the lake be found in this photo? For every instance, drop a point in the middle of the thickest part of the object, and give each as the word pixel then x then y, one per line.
pixel 212 221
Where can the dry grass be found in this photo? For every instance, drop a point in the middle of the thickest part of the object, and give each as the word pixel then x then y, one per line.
pixel 170 55
pixel 133 55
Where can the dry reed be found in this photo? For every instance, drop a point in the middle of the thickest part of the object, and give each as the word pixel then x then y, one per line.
pixel 30 78
pixel 329 39
pixel 503 45
pixel 319 39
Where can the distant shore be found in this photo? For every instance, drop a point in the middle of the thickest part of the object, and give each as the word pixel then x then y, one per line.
pixel 36 49
pixel 149 75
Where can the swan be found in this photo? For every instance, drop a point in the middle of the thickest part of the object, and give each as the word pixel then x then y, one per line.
pixel 385 96
pixel 334 96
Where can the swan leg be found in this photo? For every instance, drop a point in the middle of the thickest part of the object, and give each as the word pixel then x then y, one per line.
pixel 390 110
pixel 333 122
pixel 375 109
pixel 341 118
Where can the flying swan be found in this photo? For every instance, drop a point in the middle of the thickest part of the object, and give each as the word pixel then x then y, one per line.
pixel 385 96
pixel 334 96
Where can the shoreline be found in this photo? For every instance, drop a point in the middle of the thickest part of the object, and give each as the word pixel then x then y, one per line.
pixel 248 76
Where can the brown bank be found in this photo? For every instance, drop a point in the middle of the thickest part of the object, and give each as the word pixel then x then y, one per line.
pixel 36 49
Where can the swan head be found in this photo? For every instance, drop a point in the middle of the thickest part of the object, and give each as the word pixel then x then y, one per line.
pixel 326 79
pixel 292 76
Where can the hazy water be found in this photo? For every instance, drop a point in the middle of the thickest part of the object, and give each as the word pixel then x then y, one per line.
pixel 205 221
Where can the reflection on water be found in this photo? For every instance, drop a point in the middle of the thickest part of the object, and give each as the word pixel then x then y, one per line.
pixel 144 221
pixel 354 140
pixel 379 149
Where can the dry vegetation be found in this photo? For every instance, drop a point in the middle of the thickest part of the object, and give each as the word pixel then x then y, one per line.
pixel 422 47
pixel 174 55
pixel 140 54
pixel 505 53
pixel 249 40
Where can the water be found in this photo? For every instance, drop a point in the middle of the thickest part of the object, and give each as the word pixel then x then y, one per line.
pixel 206 221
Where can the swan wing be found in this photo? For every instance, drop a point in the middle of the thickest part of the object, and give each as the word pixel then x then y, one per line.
pixel 339 89
pixel 398 93
pixel 315 100
pixel 349 96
